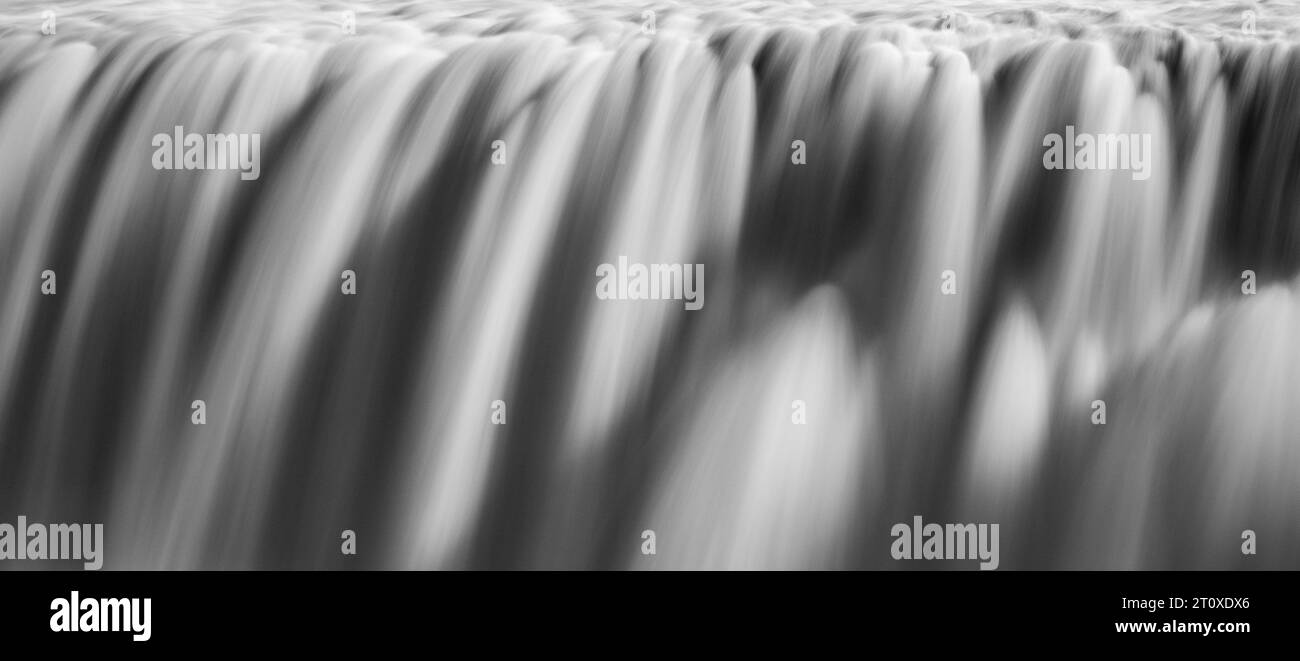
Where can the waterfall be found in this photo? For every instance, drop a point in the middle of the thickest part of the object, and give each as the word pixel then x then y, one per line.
pixel 376 307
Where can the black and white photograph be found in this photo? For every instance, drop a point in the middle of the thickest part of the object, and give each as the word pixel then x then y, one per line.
pixel 995 297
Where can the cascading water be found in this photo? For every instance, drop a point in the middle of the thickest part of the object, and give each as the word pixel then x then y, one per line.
pixel 906 312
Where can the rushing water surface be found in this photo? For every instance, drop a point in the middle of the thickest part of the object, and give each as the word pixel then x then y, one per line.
pixel 475 281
